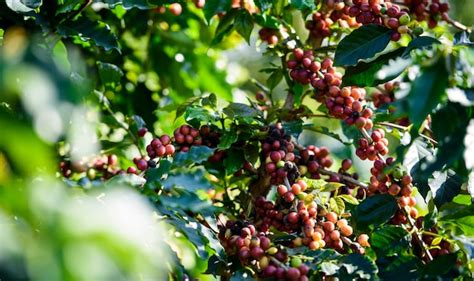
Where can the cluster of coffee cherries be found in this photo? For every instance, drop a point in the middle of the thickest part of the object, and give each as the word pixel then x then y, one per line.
pixel 321 25
pixel 371 149
pixel 437 246
pixel 346 103
pixel 103 167
pixel 304 69
pixel 386 95
pixel 311 159
pixel 382 13
pixel 269 35
pixel 160 147
pixel 433 10
pixel 348 188
pixel 187 136
pixel 278 152
pixel 255 249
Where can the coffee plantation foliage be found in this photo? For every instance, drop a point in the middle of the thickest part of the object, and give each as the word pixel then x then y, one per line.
pixel 236 140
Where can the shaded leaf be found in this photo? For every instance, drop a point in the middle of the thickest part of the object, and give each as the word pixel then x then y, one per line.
pixel 196 155
pixel 375 210
pixel 362 43
pixel 87 30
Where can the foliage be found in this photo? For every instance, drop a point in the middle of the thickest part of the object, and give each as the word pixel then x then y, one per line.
pixel 145 139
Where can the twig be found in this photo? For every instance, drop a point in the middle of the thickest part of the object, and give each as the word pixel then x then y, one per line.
pixel 278 263
pixel 396 126
pixel 120 123
pixel 343 177
pixel 417 234
pixel 457 24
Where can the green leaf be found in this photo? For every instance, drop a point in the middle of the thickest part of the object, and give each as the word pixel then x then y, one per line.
pixel 182 107
pixel 33 4
pixel 127 179
pixel 364 74
pixel 421 42
pixel 303 4
pixel 394 268
pixel 156 174
pixel 199 113
pixel 293 128
pixel 188 181
pixel 226 25
pixel 462 38
pixel 228 139
pixel 234 161
pixel 275 78
pixel 362 43
pixel 349 199
pixel 128 4
pixel 239 110
pixel 213 7
pixel 244 24
pixel 88 30
pixel 195 155
pixel 390 240
pixel 109 74
pixel 440 265
pixel 427 91
pixel 375 210
pixel 355 266
pixel 337 205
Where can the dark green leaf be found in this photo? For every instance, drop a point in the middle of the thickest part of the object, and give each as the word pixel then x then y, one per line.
pixel 394 268
pixel 440 265
pixel 33 4
pixel 244 24
pixel 275 79
pixel 187 181
pixel 213 7
pixel 87 30
pixel 127 179
pixel 293 128
pixel 390 240
pixel 427 92
pixel 364 74
pixel 109 74
pixel 303 4
pixel 227 139
pixel 195 155
pixel 421 42
pixel 234 160
pixel 363 43
pixel 239 110
pixel 375 210
pixel 199 113
pixel 355 266
pixel 462 38
pixel 226 26
pixel 156 174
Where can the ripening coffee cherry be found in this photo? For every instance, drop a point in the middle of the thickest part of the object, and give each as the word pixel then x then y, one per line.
pixel 257 253
pixel 142 164
pixel 142 132
pixel 332 217
pixel 131 170
pixel 176 9
pixel 363 240
pixel 293 274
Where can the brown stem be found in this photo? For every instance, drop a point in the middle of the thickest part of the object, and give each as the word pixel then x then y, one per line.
pixel 417 234
pixel 343 177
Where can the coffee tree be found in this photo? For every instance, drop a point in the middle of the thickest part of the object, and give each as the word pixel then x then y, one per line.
pixel 350 155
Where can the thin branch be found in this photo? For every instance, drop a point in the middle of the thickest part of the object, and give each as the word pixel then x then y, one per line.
pixel 343 177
